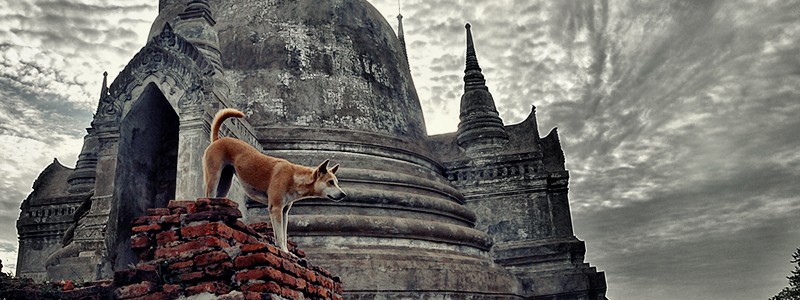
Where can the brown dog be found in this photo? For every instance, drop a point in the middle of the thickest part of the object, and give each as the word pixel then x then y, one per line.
pixel 272 181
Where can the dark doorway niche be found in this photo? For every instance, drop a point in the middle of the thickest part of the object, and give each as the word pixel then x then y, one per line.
pixel 147 161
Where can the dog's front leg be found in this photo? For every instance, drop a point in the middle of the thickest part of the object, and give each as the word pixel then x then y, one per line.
pixel 285 219
pixel 276 217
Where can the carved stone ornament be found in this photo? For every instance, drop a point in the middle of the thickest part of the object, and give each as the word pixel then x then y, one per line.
pixel 167 55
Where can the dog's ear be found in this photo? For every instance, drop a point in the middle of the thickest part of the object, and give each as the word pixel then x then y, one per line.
pixel 323 168
pixel 334 169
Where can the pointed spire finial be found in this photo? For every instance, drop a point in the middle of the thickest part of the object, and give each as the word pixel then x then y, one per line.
pixel 104 88
pixel 400 34
pixel 472 57
pixel 473 78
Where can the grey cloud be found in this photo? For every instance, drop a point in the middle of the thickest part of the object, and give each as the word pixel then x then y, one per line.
pixel 743 264
pixel 8 246
pixel 50 114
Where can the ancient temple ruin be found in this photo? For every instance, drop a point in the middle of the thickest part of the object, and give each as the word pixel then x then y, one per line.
pixel 481 213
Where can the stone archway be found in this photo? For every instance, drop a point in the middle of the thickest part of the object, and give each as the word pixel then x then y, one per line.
pixel 146 167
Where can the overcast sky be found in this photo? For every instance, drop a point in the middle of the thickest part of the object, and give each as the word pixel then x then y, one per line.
pixel 680 120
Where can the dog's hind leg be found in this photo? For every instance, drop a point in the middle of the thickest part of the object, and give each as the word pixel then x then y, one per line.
pixel 211 179
pixel 225 180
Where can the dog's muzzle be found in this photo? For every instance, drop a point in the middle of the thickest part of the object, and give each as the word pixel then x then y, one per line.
pixel 337 197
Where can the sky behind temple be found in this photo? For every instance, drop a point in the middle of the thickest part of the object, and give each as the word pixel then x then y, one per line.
pixel 680 120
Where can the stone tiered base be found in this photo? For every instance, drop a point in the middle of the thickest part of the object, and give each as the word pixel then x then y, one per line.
pixel 552 269
pixel 196 247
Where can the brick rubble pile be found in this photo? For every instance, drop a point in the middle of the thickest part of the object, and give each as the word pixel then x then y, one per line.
pixel 201 247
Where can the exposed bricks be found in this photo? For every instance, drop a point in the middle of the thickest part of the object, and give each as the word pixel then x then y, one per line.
pixel 140 241
pixel 158 211
pixel 211 257
pixel 181 206
pixel 261 273
pixel 146 228
pixel 217 228
pixel 181 265
pixel 197 247
pixel 172 289
pixel 72 291
pixel 192 248
pixel 166 237
pixel 224 269
pixel 263 287
pixel 256 259
pixel 135 290
pixel 214 287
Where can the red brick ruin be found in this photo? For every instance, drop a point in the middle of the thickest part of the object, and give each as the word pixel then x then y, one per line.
pixel 201 247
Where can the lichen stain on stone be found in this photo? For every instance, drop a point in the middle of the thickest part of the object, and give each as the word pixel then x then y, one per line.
pixel 333 97
pixel 304 120
pixel 285 79
pixel 297 43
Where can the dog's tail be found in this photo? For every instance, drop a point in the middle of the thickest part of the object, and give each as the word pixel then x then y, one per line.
pixel 219 118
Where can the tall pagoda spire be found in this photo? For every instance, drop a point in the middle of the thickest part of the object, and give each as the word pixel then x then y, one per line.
pixel 82 179
pixel 104 88
pixel 400 34
pixel 481 131
pixel 473 75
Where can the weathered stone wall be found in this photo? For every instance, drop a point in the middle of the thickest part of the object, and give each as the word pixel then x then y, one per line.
pixel 41 230
pixel 44 217
pixel 33 252
pixel 196 247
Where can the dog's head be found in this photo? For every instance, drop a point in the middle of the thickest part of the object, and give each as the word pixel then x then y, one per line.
pixel 326 184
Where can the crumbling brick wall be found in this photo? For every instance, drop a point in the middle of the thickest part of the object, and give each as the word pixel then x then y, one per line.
pixel 196 247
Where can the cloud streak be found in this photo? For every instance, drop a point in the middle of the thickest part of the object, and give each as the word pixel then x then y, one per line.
pixel 678 120
pixel 52 56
